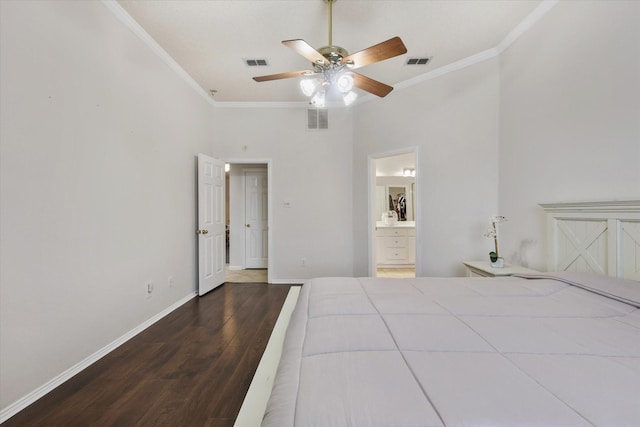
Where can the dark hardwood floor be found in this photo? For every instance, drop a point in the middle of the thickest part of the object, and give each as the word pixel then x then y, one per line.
pixel 192 368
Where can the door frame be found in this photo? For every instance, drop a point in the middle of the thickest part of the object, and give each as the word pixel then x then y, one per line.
pixel 371 196
pixel 268 162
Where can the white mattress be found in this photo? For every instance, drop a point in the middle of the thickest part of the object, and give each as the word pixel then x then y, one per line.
pixel 460 352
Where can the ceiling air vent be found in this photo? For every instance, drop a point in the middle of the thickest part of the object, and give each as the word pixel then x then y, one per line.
pixel 317 119
pixel 418 61
pixel 256 62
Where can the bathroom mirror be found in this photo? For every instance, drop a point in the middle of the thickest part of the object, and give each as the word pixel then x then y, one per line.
pixel 396 194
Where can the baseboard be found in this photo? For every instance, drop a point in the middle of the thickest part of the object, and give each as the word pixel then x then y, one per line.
pixel 36 394
pixel 236 267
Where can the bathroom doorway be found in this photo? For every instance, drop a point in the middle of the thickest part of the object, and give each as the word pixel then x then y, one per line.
pixel 393 214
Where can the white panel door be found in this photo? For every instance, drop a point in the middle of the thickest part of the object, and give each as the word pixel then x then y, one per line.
pixel 256 219
pixel 211 224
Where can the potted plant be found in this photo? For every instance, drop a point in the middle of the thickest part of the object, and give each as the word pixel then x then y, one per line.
pixel 494 257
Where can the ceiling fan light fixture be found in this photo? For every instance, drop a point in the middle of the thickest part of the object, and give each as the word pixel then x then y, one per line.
pixel 345 82
pixel 349 97
pixel 318 99
pixel 334 64
pixel 308 86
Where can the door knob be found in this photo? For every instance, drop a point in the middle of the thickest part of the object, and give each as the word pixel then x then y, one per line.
pixel 202 231
pixel 248 225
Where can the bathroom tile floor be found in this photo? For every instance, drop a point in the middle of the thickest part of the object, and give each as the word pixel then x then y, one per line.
pixel 396 272
pixel 246 276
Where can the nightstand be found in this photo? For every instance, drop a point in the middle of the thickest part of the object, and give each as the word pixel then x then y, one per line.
pixel 484 269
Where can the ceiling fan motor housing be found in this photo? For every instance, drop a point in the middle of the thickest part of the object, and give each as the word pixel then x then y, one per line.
pixel 334 54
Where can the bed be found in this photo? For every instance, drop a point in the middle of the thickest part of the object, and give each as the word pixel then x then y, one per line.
pixel 552 349
pixel 547 350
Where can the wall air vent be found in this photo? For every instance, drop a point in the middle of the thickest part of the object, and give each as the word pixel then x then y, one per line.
pixel 256 62
pixel 419 61
pixel 317 119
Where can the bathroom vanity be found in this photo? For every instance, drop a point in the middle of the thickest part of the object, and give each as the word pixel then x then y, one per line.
pixel 396 244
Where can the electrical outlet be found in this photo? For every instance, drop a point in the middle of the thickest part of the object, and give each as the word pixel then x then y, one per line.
pixel 170 280
pixel 149 289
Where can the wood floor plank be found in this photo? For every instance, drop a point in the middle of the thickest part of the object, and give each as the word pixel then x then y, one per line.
pixel 191 368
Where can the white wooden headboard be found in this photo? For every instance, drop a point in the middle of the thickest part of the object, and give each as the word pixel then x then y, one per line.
pixel 600 237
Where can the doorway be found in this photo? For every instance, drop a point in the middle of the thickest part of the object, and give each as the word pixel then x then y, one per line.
pixel 393 214
pixel 248 219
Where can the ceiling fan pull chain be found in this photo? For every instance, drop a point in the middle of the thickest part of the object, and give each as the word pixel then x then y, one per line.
pixel 330 22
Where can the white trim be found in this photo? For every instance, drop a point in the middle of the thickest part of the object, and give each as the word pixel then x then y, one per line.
pixel 528 22
pixel 449 68
pixel 438 72
pixel 257 104
pixel 131 23
pixel 255 402
pixel 36 394
pixel 521 28
pixel 268 162
pixel 236 267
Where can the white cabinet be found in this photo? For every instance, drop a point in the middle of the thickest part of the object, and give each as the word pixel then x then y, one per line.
pixel 395 246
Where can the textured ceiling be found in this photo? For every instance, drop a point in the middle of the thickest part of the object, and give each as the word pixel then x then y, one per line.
pixel 211 39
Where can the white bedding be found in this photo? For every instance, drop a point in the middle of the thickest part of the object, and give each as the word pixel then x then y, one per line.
pixel 459 351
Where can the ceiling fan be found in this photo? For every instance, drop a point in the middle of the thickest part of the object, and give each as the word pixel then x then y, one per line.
pixel 333 67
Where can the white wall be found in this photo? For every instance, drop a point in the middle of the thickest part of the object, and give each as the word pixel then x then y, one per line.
pixel 98 143
pixel 309 170
pixel 569 117
pixel 83 97
pixel 453 120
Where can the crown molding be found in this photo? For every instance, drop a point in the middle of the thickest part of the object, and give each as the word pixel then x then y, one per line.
pixel 528 22
pixel 531 19
pixel 219 104
pixel 449 68
pixel 131 23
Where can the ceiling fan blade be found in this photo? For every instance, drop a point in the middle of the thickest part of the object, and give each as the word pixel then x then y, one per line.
pixel 305 49
pixel 279 76
pixel 372 86
pixel 376 53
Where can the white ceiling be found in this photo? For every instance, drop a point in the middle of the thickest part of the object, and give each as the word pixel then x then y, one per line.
pixel 211 39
